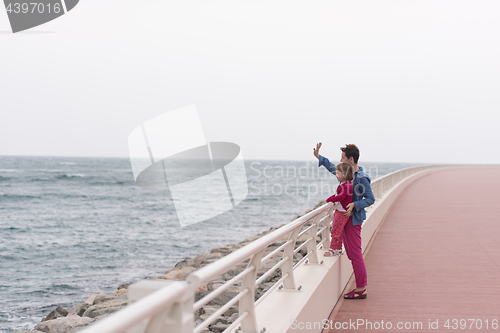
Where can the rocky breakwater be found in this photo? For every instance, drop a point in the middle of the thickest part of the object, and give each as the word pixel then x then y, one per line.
pixel 98 306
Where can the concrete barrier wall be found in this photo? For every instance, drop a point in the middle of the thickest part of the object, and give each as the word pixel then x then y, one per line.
pixel 323 284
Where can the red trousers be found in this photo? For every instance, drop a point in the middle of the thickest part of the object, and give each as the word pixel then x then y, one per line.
pixel 339 221
pixel 352 243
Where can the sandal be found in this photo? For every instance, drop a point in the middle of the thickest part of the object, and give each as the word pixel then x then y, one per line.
pixel 332 253
pixel 353 294
pixel 329 253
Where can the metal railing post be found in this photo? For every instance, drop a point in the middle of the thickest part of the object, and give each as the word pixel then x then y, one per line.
pixel 311 245
pixel 326 232
pixel 287 269
pixel 247 302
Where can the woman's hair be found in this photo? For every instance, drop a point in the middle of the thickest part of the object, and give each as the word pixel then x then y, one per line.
pixel 351 150
pixel 346 170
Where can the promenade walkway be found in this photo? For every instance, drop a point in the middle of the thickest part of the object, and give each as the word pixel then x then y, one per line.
pixel 435 258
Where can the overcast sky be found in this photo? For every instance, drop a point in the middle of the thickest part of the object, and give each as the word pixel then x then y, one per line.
pixel 407 81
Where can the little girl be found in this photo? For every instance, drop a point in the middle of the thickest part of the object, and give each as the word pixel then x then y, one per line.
pixel 344 174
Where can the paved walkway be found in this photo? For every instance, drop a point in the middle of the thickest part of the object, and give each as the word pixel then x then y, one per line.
pixel 436 257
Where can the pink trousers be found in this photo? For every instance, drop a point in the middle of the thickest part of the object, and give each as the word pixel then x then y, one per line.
pixel 352 243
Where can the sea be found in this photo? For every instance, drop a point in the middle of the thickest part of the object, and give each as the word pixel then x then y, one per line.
pixel 74 226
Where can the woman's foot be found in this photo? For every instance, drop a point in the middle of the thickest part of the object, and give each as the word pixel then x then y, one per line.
pixel 358 293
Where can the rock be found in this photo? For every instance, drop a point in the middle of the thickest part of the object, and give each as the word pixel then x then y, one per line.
pixel 197 322
pixel 102 298
pixel 218 328
pixel 67 324
pixel 57 313
pixel 233 272
pixel 199 259
pixel 120 291
pixel 219 300
pixel 211 257
pixel 231 311
pixel 302 238
pixel 321 203
pixel 27 332
pixel 209 310
pixel 214 285
pixel 251 239
pixel 234 289
pixel 183 263
pixel 79 309
pixel 203 288
pixel 231 319
pixel 124 286
pixel 105 308
pixel 91 298
pixel 204 317
pixel 224 250
pixel 177 274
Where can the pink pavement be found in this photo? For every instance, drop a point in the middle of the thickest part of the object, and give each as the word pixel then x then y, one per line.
pixel 436 258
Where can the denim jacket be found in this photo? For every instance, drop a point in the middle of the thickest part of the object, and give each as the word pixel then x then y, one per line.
pixel 362 196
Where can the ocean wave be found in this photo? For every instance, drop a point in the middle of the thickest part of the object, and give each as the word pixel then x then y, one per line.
pixel 10 170
pixel 11 228
pixel 51 170
pixel 17 196
pixel 110 183
pixel 41 179
pixel 34 292
pixel 68 163
pixel 71 175
pixel 7 257
pixel 62 287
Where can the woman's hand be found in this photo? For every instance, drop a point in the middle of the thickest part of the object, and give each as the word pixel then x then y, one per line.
pixel 316 151
pixel 350 207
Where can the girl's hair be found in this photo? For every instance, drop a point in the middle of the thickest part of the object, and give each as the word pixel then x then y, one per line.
pixel 346 170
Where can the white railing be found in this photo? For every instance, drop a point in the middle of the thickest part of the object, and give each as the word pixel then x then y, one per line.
pixel 158 307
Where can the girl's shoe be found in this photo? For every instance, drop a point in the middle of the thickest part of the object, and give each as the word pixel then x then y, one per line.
pixel 329 253
pixel 332 253
pixel 353 294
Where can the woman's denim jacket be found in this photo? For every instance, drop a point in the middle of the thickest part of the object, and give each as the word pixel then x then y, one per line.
pixel 362 196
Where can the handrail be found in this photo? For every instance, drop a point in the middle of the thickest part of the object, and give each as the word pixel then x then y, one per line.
pixel 144 308
pixel 213 270
pixel 165 299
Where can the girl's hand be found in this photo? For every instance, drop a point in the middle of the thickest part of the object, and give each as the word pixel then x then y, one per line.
pixel 350 207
